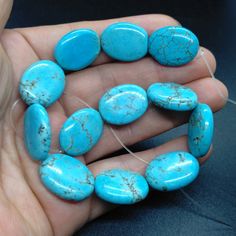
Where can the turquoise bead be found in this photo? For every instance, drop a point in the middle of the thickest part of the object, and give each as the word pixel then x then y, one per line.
pixel 37 132
pixel 43 82
pixel 200 130
pixel 172 171
pixel 120 186
pixel 123 104
pixel 77 49
pixel 173 45
pixel 172 96
pixel 125 41
pixel 66 177
pixel 81 132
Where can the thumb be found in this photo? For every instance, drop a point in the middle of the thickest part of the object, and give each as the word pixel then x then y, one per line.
pixel 6 75
pixel 5 6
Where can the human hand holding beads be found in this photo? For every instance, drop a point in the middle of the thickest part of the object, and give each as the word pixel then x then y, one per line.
pixel 21 187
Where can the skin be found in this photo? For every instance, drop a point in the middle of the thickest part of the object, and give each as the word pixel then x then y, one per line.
pixel 26 207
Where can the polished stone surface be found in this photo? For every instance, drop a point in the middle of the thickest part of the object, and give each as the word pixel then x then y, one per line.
pixel 172 171
pixel 37 132
pixel 66 177
pixel 173 45
pixel 123 104
pixel 43 82
pixel 121 186
pixel 200 130
pixel 77 49
pixel 125 41
pixel 81 132
pixel 172 96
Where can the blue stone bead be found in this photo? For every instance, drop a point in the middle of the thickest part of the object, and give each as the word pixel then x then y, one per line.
pixel 81 132
pixel 172 96
pixel 125 41
pixel 120 186
pixel 123 104
pixel 200 130
pixel 173 45
pixel 77 49
pixel 66 177
pixel 172 171
pixel 43 82
pixel 37 132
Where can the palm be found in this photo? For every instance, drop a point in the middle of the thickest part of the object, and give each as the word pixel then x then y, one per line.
pixel 25 203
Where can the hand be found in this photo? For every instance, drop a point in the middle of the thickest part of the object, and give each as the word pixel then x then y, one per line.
pixel 26 207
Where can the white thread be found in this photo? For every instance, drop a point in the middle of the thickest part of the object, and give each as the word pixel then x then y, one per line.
pixel 12 123
pixel 81 100
pixel 114 133
pixel 56 151
pixel 213 77
pixel 126 148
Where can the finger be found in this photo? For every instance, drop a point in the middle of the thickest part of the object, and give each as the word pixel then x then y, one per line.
pixel 44 39
pixel 19 51
pixel 5 12
pixel 91 83
pixel 12 69
pixel 130 163
pixel 6 81
pixel 156 121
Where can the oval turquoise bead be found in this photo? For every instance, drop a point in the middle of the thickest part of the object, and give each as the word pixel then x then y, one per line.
pixel 125 41
pixel 66 177
pixel 173 45
pixel 172 171
pixel 81 132
pixel 37 132
pixel 172 96
pixel 43 82
pixel 77 49
pixel 120 186
pixel 123 104
pixel 200 130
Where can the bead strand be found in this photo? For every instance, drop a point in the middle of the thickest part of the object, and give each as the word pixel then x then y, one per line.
pixel 43 83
